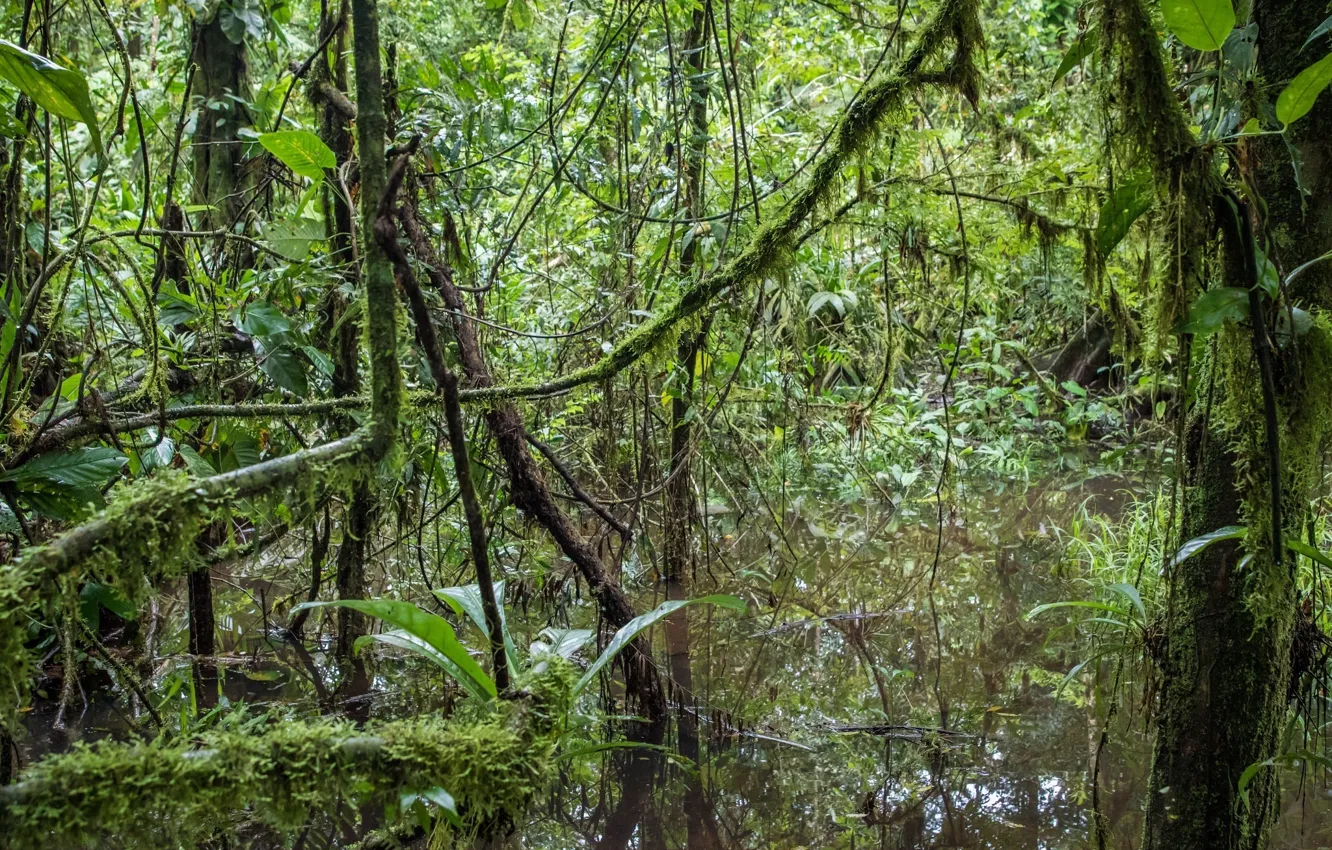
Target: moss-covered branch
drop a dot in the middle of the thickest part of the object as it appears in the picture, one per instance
(771, 249)
(143, 537)
(153, 795)
(149, 534)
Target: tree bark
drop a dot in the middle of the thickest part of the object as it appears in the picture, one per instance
(1230, 630)
(221, 83)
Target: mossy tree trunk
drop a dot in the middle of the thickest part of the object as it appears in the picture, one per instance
(1232, 610)
(681, 512)
(222, 88)
(679, 508)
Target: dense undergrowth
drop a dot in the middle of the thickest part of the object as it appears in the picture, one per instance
(947, 353)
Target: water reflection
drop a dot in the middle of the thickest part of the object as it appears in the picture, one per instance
(833, 719)
(852, 707)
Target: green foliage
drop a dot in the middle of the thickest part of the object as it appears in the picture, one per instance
(1297, 98)
(58, 90)
(631, 629)
(431, 636)
(1084, 47)
(281, 774)
(85, 467)
(301, 151)
(1205, 541)
(1201, 24)
(876, 352)
(1131, 198)
(424, 633)
(1214, 308)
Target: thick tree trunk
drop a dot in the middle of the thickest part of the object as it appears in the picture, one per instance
(221, 86)
(1227, 672)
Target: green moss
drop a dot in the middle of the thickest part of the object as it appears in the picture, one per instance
(151, 528)
(145, 536)
(1304, 413)
(182, 793)
(1155, 134)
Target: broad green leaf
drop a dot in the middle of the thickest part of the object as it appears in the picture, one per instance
(1241, 49)
(72, 504)
(521, 14)
(466, 601)
(319, 360)
(1321, 29)
(1269, 281)
(405, 640)
(1131, 199)
(431, 629)
(153, 455)
(1204, 541)
(286, 368)
(1298, 97)
(1131, 593)
(562, 642)
(241, 451)
(91, 466)
(631, 629)
(1201, 24)
(301, 151)
(439, 797)
(94, 597)
(1079, 50)
(197, 464)
(9, 523)
(1214, 308)
(1296, 545)
(263, 319)
(58, 90)
(293, 238)
(239, 20)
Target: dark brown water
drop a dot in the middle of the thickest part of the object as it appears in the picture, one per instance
(886, 688)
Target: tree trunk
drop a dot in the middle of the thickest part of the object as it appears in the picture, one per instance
(203, 629)
(221, 84)
(1227, 673)
(680, 509)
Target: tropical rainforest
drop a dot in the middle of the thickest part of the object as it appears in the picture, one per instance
(702, 424)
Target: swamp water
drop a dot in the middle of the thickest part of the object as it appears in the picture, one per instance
(826, 717)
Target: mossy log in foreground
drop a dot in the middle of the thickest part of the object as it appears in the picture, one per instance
(179, 794)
